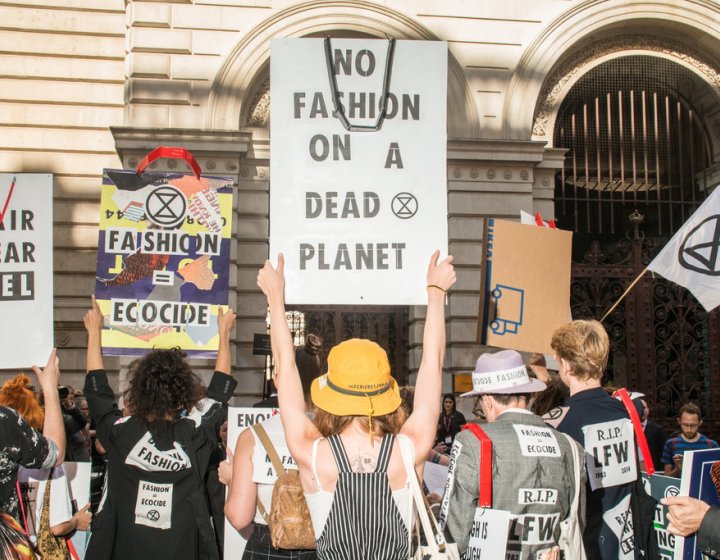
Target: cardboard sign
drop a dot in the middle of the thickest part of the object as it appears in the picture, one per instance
(26, 269)
(526, 285)
(700, 478)
(357, 213)
(163, 261)
(240, 418)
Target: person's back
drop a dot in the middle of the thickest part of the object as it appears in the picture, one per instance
(602, 426)
(533, 466)
(155, 505)
(360, 508)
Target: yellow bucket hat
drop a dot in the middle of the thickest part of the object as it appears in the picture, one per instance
(358, 381)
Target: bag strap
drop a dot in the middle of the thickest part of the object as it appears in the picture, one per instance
(623, 395)
(22, 507)
(173, 153)
(576, 469)
(485, 498)
(433, 534)
(269, 449)
(274, 459)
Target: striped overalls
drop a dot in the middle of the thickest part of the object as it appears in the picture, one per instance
(364, 523)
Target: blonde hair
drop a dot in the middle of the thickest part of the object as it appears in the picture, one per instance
(17, 394)
(329, 424)
(584, 345)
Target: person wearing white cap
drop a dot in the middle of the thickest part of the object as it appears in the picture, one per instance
(533, 466)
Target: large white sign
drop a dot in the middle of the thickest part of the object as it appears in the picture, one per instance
(358, 212)
(240, 418)
(26, 269)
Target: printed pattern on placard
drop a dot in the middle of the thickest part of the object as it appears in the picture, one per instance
(488, 534)
(163, 261)
(610, 453)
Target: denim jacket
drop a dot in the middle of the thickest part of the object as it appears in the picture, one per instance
(533, 479)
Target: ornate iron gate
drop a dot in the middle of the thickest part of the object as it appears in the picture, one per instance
(386, 325)
(663, 343)
(636, 160)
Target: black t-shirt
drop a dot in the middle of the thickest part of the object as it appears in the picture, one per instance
(21, 445)
(602, 425)
(155, 505)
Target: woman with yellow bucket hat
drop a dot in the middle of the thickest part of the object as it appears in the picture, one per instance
(350, 460)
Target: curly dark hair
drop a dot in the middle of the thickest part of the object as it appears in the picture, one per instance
(161, 385)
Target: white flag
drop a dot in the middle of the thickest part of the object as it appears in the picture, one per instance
(692, 257)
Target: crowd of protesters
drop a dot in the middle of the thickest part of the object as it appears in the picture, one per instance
(557, 452)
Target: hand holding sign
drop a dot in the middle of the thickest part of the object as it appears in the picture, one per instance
(441, 275)
(685, 514)
(272, 280)
(94, 319)
(225, 321)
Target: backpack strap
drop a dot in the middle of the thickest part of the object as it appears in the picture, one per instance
(485, 499)
(623, 395)
(384, 454)
(269, 449)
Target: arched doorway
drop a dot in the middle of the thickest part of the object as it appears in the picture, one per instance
(635, 169)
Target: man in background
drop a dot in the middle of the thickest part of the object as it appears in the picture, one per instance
(690, 439)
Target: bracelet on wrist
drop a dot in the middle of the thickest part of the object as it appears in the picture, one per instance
(437, 287)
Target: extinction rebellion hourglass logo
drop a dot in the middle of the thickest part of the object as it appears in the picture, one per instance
(699, 250)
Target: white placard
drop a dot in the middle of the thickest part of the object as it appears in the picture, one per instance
(26, 269)
(610, 453)
(357, 214)
(435, 476)
(240, 418)
(488, 534)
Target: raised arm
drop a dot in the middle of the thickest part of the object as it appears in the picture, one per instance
(226, 323)
(299, 430)
(53, 428)
(94, 322)
(426, 407)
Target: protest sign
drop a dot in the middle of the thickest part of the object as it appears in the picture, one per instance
(163, 261)
(526, 285)
(240, 418)
(660, 487)
(357, 212)
(700, 478)
(70, 491)
(26, 269)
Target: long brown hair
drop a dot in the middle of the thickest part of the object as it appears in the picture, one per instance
(17, 394)
(329, 424)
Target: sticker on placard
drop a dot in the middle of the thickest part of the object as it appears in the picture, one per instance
(610, 452)
(488, 534)
(537, 441)
(154, 505)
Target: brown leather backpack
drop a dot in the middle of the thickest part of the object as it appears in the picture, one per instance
(289, 518)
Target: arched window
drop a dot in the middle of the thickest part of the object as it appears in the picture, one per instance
(635, 139)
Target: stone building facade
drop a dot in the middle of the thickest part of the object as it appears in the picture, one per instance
(88, 84)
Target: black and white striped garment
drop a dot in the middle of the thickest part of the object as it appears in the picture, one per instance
(364, 523)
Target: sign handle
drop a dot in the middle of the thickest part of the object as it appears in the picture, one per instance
(173, 153)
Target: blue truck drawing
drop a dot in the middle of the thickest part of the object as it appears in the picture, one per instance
(509, 305)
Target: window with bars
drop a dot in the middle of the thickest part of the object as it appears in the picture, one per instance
(635, 141)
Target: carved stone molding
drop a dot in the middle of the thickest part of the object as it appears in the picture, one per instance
(259, 107)
(569, 71)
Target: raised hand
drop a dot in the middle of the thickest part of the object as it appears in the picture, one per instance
(49, 376)
(93, 319)
(441, 275)
(225, 320)
(271, 280)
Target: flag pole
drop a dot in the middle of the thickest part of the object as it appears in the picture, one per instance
(622, 297)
